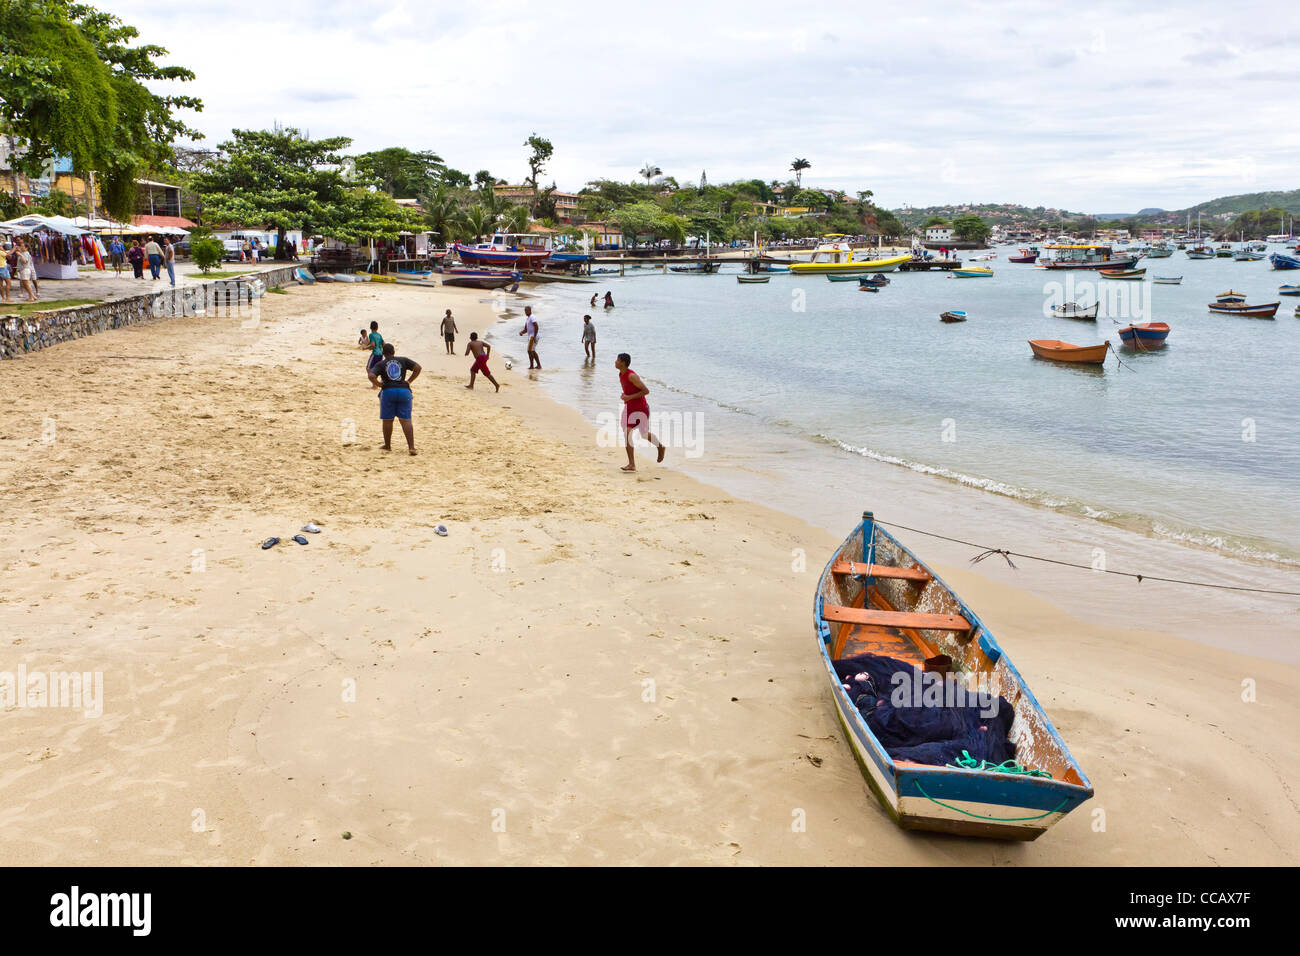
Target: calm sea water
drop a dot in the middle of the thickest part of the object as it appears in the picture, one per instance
(1197, 442)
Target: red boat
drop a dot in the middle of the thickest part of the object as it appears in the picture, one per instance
(1026, 255)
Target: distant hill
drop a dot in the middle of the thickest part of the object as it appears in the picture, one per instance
(1236, 205)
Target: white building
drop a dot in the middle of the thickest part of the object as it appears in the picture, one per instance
(938, 234)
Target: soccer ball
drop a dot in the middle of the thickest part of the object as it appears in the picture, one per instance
(510, 365)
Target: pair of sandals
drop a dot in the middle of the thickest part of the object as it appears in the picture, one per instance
(310, 527)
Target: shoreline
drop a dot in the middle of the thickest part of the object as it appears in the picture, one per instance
(622, 665)
(781, 474)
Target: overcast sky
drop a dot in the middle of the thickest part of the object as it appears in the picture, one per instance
(1095, 107)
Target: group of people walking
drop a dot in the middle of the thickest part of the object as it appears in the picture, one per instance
(158, 255)
(392, 375)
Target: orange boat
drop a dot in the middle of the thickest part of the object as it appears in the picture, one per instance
(1059, 351)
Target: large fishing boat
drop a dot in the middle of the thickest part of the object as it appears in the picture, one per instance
(834, 254)
(507, 250)
(1083, 256)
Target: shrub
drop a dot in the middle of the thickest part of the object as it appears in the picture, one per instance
(207, 253)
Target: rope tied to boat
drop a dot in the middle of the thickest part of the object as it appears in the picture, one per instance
(983, 816)
(1006, 555)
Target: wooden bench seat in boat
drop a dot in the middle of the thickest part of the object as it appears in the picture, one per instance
(899, 619)
(880, 571)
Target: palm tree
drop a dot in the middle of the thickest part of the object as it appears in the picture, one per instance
(650, 171)
(515, 219)
(441, 211)
(798, 166)
(477, 222)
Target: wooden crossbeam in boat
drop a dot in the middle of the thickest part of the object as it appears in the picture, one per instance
(880, 571)
(899, 619)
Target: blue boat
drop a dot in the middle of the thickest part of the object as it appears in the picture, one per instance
(1284, 262)
(877, 605)
(876, 279)
(1288, 290)
(1148, 333)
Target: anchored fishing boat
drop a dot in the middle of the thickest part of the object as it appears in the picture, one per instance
(834, 254)
(880, 612)
(1266, 311)
(876, 279)
(1288, 290)
(1085, 256)
(745, 280)
(1230, 296)
(1147, 334)
(973, 272)
(1200, 252)
(956, 315)
(1123, 273)
(1059, 351)
(1167, 280)
(520, 251)
(1073, 310)
(1280, 261)
(1029, 254)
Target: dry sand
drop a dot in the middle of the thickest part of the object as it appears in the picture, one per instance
(592, 667)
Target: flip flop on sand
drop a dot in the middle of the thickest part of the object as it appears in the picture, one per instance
(299, 538)
(441, 530)
(311, 528)
(270, 543)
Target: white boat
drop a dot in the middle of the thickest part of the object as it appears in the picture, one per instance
(1073, 310)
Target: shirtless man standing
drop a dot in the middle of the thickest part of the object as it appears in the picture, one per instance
(480, 351)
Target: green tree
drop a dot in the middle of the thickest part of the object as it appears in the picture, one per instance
(400, 172)
(75, 85)
(206, 252)
(798, 166)
(971, 228)
(540, 155)
(57, 203)
(442, 212)
(282, 179)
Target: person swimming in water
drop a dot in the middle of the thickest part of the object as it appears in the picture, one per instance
(636, 410)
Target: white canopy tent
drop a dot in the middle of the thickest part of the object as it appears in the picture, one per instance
(61, 225)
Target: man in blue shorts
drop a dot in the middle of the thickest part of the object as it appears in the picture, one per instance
(389, 376)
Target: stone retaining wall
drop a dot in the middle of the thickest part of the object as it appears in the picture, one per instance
(20, 334)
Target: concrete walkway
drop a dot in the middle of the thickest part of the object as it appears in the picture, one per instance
(105, 286)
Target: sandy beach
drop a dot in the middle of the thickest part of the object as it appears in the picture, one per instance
(590, 668)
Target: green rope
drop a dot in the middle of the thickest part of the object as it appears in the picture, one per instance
(980, 816)
(967, 762)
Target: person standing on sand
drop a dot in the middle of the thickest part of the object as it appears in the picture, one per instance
(531, 330)
(636, 410)
(588, 338)
(376, 342)
(449, 330)
(481, 351)
(389, 376)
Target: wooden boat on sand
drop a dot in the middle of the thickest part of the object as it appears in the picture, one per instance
(879, 609)
(1059, 351)
(483, 279)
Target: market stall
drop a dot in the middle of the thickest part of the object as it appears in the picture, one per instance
(57, 244)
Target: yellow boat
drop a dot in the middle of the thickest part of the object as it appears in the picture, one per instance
(972, 272)
(833, 254)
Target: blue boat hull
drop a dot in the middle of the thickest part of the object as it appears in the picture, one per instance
(1284, 262)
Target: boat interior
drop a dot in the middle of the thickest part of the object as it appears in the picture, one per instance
(904, 612)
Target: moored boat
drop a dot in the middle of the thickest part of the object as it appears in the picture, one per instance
(1085, 256)
(1059, 351)
(1073, 310)
(1200, 252)
(698, 269)
(1281, 261)
(954, 315)
(521, 251)
(1122, 273)
(1230, 296)
(874, 279)
(880, 612)
(834, 254)
(745, 280)
(1146, 334)
(483, 279)
(1029, 254)
(973, 272)
(1288, 290)
(1167, 280)
(1265, 311)
(844, 278)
